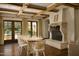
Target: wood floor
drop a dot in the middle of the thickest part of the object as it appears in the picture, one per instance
(12, 50)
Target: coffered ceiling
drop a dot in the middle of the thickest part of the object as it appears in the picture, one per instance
(33, 8)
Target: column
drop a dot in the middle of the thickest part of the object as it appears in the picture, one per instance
(40, 27)
(1, 31)
(24, 26)
(76, 25)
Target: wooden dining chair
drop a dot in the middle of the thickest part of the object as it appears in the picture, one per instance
(22, 44)
(39, 47)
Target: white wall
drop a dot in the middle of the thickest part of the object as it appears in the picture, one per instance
(45, 28)
(70, 21)
(77, 25)
(74, 47)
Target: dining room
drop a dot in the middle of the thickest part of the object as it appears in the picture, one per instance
(36, 29)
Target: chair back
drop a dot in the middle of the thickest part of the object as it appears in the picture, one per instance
(21, 40)
(40, 44)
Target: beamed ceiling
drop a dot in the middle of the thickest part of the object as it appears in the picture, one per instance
(34, 8)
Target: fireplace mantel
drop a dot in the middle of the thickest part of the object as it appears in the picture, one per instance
(62, 22)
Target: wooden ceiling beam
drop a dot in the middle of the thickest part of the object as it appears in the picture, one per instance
(8, 12)
(17, 4)
(71, 5)
(53, 6)
(36, 7)
(1, 9)
(30, 6)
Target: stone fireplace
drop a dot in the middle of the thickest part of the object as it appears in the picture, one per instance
(56, 33)
(58, 29)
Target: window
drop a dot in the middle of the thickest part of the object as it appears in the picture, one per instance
(32, 28)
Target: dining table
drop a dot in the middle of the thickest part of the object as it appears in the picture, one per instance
(31, 41)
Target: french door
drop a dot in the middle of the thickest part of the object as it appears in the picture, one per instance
(11, 30)
(32, 28)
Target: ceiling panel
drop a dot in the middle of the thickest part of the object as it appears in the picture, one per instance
(42, 4)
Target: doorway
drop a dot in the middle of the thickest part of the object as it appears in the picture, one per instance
(11, 30)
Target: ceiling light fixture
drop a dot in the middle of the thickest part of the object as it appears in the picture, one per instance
(22, 9)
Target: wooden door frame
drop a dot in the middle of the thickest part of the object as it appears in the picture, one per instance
(13, 31)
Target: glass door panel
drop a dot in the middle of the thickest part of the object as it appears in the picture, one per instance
(17, 29)
(29, 29)
(34, 27)
(12, 29)
(7, 30)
